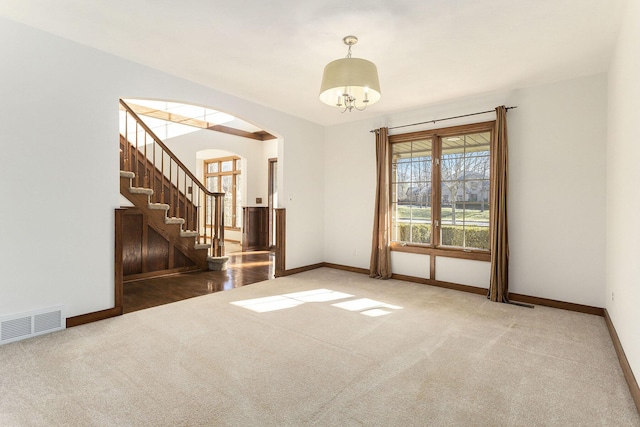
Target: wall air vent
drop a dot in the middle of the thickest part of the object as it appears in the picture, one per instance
(25, 325)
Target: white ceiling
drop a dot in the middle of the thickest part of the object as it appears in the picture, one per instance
(273, 52)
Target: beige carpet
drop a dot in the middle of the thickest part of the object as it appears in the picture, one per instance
(392, 354)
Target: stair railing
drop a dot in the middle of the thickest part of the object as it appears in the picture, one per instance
(156, 167)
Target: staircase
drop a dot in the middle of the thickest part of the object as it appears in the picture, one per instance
(177, 224)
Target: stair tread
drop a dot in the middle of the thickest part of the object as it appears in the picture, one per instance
(164, 222)
(141, 190)
(173, 220)
(159, 206)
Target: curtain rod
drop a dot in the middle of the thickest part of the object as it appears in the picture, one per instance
(446, 118)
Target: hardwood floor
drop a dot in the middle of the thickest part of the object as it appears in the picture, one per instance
(243, 268)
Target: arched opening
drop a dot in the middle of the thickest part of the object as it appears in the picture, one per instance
(227, 155)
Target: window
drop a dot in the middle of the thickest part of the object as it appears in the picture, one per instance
(224, 175)
(440, 181)
(411, 191)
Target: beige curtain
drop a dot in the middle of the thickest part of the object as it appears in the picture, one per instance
(380, 266)
(499, 285)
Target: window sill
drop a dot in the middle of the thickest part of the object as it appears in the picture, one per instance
(477, 255)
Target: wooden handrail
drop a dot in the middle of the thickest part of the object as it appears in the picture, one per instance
(169, 152)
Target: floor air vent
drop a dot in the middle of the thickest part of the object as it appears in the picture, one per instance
(26, 325)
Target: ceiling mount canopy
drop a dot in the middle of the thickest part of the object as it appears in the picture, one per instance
(350, 83)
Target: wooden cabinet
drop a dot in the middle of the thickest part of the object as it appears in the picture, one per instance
(255, 228)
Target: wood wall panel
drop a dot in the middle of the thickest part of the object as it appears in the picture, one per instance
(146, 252)
(180, 260)
(157, 251)
(255, 228)
(281, 242)
(132, 228)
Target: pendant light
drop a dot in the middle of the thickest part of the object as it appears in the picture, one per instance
(350, 83)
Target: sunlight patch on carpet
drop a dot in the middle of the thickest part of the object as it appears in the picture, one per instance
(366, 306)
(263, 305)
(376, 312)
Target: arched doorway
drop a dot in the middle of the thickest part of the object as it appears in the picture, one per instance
(233, 157)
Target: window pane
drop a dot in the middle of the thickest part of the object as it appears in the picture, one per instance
(227, 166)
(465, 191)
(411, 171)
(212, 183)
(212, 167)
(227, 184)
(238, 164)
(227, 188)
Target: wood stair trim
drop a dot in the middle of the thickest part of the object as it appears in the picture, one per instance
(154, 174)
(162, 206)
(157, 220)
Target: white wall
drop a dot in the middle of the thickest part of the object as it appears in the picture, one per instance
(256, 173)
(59, 180)
(557, 190)
(193, 148)
(623, 188)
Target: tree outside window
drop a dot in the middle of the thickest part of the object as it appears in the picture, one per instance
(465, 178)
(440, 181)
